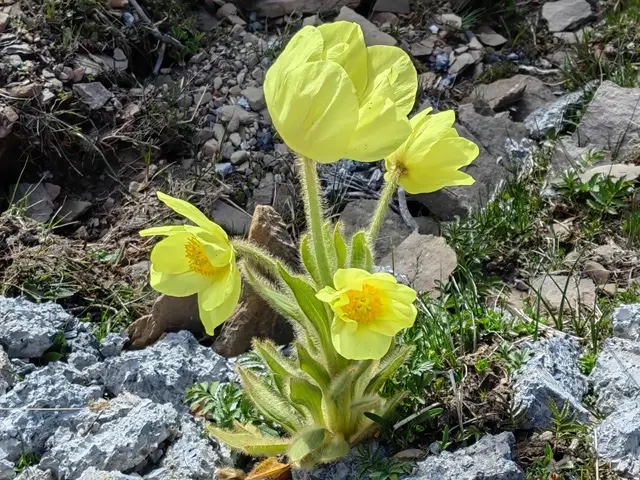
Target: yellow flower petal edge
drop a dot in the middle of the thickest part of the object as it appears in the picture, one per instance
(330, 96)
(432, 155)
(196, 260)
(369, 310)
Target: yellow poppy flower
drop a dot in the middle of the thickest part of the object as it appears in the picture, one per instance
(331, 97)
(196, 260)
(370, 309)
(432, 155)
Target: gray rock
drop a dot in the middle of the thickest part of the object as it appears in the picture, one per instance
(163, 371)
(491, 458)
(572, 37)
(279, 8)
(461, 63)
(616, 376)
(71, 210)
(611, 121)
(490, 38)
(38, 199)
(255, 97)
(93, 473)
(94, 94)
(29, 329)
(451, 19)
(239, 157)
(561, 292)
(117, 437)
(7, 373)
(372, 35)
(502, 93)
(551, 116)
(112, 344)
(23, 430)
(357, 215)
(424, 260)
(229, 113)
(566, 14)
(551, 375)
(191, 456)
(33, 473)
(6, 468)
(232, 219)
(596, 272)
(619, 439)
(626, 322)
(615, 170)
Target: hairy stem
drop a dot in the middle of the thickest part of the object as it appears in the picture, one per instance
(315, 217)
(381, 210)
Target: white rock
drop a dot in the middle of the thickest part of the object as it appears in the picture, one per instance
(566, 14)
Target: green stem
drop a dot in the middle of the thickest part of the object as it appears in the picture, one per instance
(315, 217)
(381, 209)
(259, 257)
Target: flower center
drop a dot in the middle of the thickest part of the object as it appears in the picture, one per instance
(197, 258)
(364, 306)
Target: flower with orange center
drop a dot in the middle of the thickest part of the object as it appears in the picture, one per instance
(369, 310)
(431, 158)
(196, 259)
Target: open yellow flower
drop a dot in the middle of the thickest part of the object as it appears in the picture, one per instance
(196, 260)
(370, 309)
(331, 97)
(431, 157)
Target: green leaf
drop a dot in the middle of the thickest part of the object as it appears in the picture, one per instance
(340, 246)
(308, 395)
(281, 367)
(313, 367)
(361, 256)
(334, 448)
(280, 302)
(341, 382)
(382, 422)
(309, 259)
(365, 404)
(330, 247)
(270, 403)
(251, 443)
(313, 308)
(389, 364)
(305, 443)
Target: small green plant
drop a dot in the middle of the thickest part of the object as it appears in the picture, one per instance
(564, 425)
(26, 460)
(603, 194)
(587, 362)
(482, 365)
(373, 463)
(513, 358)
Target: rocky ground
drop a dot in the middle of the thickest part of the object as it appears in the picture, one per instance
(531, 373)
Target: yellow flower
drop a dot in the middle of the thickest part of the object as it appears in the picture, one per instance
(430, 158)
(370, 309)
(331, 97)
(196, 260)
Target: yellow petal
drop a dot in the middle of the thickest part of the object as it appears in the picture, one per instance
(219, 287)
(344, 44)
(219, 254)
(180, 285)
(360, 343)
(350, 278)
(216, 316)
(305, 46)
(165, 230)
(315, 110)
(393, 65)
(381, 129)
(168, 255)
(171, 230)
(439, 167)
(428, 129)
(396, 317)
(327, 295)
(192, 213)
